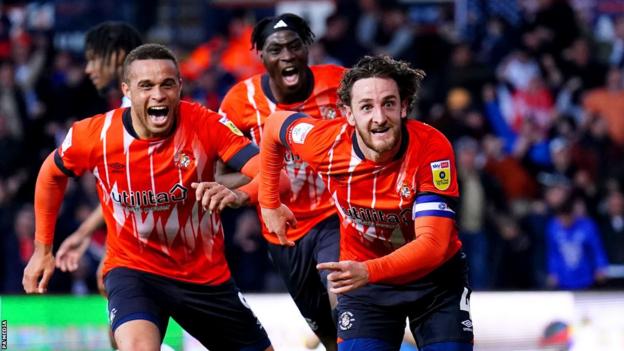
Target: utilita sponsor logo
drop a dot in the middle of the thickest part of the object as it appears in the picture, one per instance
(370, 215)
(148, 198)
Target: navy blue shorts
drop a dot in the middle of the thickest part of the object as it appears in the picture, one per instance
(438, 310)
(306, 285)
(217, 316)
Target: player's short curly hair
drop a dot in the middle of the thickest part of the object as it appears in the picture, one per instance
(407, 78)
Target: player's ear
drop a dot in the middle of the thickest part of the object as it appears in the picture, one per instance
(349, 115)
(125, 89)
(403, 109)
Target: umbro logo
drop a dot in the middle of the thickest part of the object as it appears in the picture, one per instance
(280, 24)
(467, 325)
(117, 167)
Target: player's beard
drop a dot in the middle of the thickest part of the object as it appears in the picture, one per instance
(383, 143)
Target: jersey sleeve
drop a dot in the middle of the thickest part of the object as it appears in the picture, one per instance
(233, 107)
(231, 145)
(437, 173)
(74, 156)
(307, 137)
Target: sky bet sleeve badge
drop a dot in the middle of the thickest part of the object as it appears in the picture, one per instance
(441, 174)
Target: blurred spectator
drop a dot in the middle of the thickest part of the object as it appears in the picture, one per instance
(556, 24)
(22, 235)
(497, 43)
(459, 117)
(383, 28)
(575, 256)
(518, 69)
(518, 185)
(608, 103)
(616, 54)
(477, 190)
(339, 41)
(612, 227)
(12, 102)
(317, 55)
(579, 63)
(513, 256)
(465, 72)
(230, 52)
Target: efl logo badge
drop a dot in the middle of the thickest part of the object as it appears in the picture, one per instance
(300, 132)
(441, 174)
(231, 126)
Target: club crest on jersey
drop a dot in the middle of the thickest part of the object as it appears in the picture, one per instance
(181, 160)
(441, 171)
(231, 126)
(328, 112)
(405, 192)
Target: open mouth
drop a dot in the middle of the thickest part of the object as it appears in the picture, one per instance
(380, 130)
(290, 76)
(158, 114)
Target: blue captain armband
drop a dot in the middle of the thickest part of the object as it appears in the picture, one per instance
(432, 205)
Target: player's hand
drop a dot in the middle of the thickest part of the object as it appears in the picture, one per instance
(71, 250)
(99, 278)
(214, 196)
(345, 276)
(39, 270)
(277, 220)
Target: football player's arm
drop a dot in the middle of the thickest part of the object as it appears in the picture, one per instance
(276, 215)
(417, 258)
(231, 107)
(224, 175)
(414, 259)
(49, 190)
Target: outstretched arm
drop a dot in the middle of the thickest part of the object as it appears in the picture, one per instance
(433, 245)
(51, 184)
(276, 215)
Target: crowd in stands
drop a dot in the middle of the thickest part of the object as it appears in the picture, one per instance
(530, 93)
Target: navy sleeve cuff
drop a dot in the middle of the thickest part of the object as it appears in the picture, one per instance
(58, 161)
(284, 129)
(242, 156)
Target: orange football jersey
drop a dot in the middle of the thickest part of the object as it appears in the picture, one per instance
(378, 202)
(153, 221)
(250, 102)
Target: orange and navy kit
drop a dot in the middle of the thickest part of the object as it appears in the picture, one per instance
(250, 102)
(397, 217)
(382, 205)
(154, 223)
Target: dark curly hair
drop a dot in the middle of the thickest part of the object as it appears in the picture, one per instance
(108, 38)
(407, 78)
